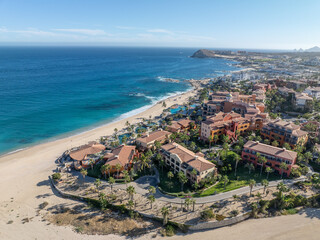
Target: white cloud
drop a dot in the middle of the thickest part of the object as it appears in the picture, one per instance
(159, 30)
(91, 32)
(29, 31)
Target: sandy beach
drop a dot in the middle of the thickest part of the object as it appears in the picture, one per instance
(24, 185)
(24, 179)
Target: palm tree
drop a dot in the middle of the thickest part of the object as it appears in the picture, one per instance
(187, 202)
(157, 144)
(252, 183)
(130, 204)
(104, 169)
(250, 167)
(126, 177)
(118, 168)
(225, 181)
(97, 183)
(182, 179)
(131, 191)
(268, 171)
(84, 173)
(161, 163)
(283, 166)
(237, 159)
(195, 185)
(170, 175)
(152, 190)
(131, 174)
(194, 174)
(262, 161)
(111, 182)
(265, 184)
(165, 213)
(144, 163)
(124, 139)
(151, 199)
(237, 149)
(91, 162)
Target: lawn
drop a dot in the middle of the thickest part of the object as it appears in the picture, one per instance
(241, 180)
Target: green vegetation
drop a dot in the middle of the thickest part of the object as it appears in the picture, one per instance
(207, 214)
(241, 180)
(56, 176)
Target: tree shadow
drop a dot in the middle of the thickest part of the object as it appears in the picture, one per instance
(311, 212)
(43, 183)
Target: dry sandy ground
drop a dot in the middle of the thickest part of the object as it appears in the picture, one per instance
(294, 227)
(24, 180)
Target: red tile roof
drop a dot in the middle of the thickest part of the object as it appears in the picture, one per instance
(194, 160)
(267, 149)
(85, 150)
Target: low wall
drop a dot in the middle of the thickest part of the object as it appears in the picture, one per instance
(218, 224)
(199, 226)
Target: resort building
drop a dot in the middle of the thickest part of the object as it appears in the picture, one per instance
(178, 126)
(84, 155)
(148, 139)
(274, 156)
(123, 156)
(313, 92)
(231, 124)
(183, 160)
(303, 101)
(227, 102)
(283, 131)
(263, 86)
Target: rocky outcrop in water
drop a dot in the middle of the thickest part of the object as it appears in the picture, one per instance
(203, 53)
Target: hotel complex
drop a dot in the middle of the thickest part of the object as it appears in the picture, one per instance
(274, 156)
(284, 132)
(183, 160)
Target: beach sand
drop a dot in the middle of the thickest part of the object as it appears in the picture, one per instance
(24, 179)
(24, 185)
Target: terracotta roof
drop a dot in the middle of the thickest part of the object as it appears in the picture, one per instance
(85, 150)
(121, 155)
(185, 122)
(267, 149)
(154, 136)
(192, 159)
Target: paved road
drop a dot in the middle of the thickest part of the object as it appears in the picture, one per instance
(142, 184)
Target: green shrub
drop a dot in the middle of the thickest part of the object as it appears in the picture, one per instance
(291, 211)
(170, 230)
(207, 214)
(56, 176)
(220, 217)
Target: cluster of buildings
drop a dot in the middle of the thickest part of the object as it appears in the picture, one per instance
(225, 113)
(231, 114)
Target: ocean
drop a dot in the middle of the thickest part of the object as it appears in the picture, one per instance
(47, 92)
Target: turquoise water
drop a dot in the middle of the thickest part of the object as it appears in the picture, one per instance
(49, 91)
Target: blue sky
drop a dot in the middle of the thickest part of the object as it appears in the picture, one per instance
(267, 24)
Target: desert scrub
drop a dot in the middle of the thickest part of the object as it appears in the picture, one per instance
(56, 176)
(43, 205)
(220, 217)
(207, 214)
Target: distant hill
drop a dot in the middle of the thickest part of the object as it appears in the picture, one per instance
(203, 53)
(313, 49)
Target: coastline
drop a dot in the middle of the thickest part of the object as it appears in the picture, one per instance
(98, 125)
(24, 179)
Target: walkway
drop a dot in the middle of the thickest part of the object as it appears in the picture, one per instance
(142, 184)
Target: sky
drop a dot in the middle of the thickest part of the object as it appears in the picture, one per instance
(267, 24)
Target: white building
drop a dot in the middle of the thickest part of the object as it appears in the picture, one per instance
(313, 92)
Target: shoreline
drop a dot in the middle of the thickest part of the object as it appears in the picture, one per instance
(98, 125)
(107, 128)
